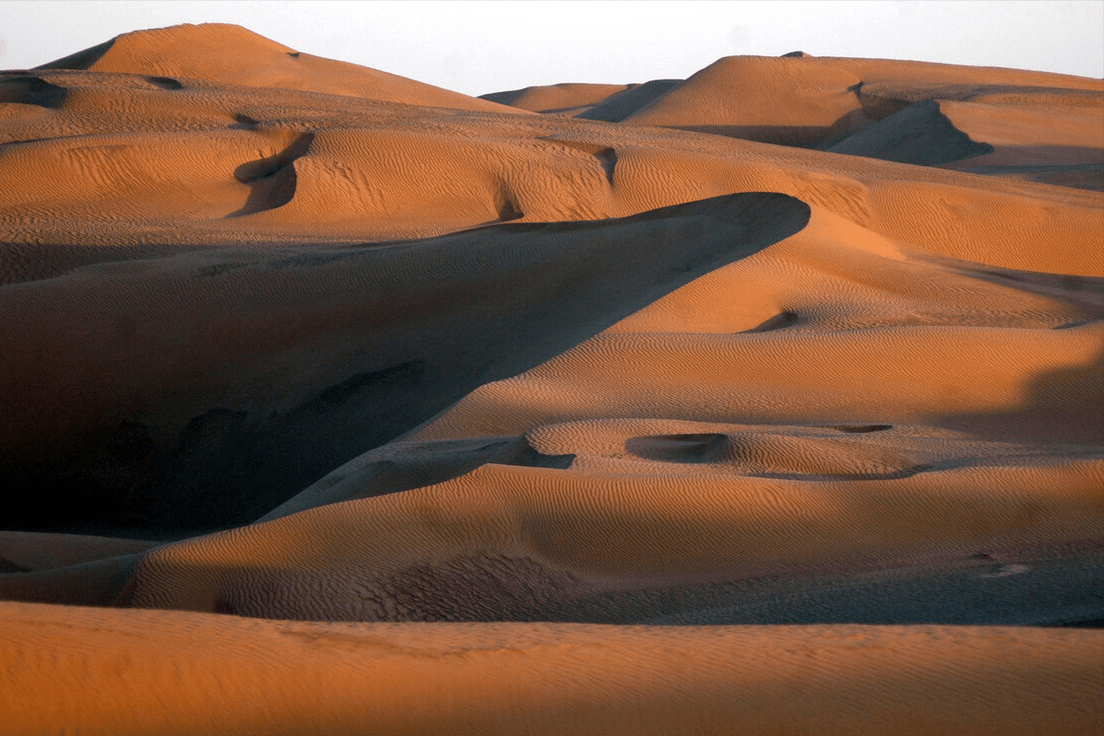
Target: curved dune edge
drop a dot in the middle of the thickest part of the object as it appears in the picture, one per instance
(836, 324)
(1028, 125)
(377, 171)
(807, 101)
(556, 98)
(400, 466)
(148, 672)
(522, 543)
(24, 551)
(287, 362)
(233, 55)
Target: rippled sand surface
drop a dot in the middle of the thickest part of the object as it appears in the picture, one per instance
(768, 401)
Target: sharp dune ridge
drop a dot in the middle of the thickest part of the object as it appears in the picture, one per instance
(767, 400)
(325, 353)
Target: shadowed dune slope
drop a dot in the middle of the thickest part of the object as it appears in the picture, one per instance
(1006, 122)
(607, 102)
(285, 363)
(918, 134)
(1046, 137)
(557, 98)
(229, 54)
(804, 100)
(400, 466)
(24, 551)
(616, 108)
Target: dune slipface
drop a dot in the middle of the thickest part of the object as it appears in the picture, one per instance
(285, 362)
(769, 400)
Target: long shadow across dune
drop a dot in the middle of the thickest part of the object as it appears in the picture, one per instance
(196, 391)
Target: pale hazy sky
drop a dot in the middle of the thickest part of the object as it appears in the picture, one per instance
(479, 47)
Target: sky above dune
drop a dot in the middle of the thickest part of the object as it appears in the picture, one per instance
(480, 47)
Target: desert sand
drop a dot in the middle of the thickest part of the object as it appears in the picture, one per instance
(766, 401)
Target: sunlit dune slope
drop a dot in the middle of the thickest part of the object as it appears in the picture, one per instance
(806, 100)
(834, 325)
(186, 673)
(232, 55)
(229, 182)
(210, 165)
(523, 543)
(1019, 124)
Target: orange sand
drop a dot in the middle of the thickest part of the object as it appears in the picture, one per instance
(145, 672)
(407, 411)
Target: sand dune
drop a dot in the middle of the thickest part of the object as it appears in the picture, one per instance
(1030, 125)
(557, 98)
(529, 543)
(395, 337)
(187, 171)
(767, 400)
(608, 102)
(803, 100)
(856, 326)
(1034, 135)
(24, 551)
(199, 673)
(233, 55)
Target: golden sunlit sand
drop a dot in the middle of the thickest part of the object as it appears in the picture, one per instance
(770, 400)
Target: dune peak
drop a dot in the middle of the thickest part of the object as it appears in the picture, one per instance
(231, 54)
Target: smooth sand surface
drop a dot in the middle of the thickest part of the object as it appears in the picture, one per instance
(153, 672)
(232, 55)
(766, 401)
(558, 98)
(25, 551)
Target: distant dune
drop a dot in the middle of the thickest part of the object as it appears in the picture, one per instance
(233, 56)
(766, 401)
(1029, 125)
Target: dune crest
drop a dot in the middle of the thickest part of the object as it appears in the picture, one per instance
(1017, 124)
(383, 355)
(232, 55)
